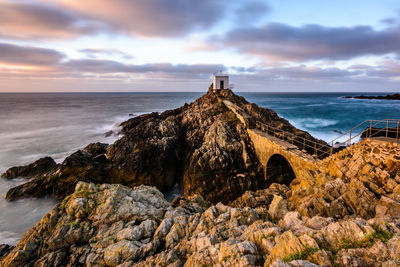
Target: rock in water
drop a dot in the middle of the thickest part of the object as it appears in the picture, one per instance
(39, 167)
(202, 146)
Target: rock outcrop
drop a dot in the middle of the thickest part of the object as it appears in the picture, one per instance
(89, 164)
(202, 147)
(36, 168)
(362, 180)
(386, 97)
(113, 225)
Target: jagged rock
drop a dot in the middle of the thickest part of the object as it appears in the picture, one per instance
(353, 231)
(293, 221)
(356, 181)
(298, 263)
(79, 166)
(318, 222)
(363, 256)
(113, 225)
(288, 244)
(278, 208)
(4, 250)
(39, 167)
(387, 207)
(96, 149)
(93, 218)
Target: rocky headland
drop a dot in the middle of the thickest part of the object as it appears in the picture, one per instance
(387, 97)
(113, 212)
(202, 146)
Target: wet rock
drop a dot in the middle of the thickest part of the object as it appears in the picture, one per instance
(79, 166)
(4, 250)
(96, 149)
(39, 167)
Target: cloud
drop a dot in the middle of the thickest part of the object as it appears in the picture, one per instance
(252, 11)
(48, 64)
(95, 52)
(388, 69)
(304, 73)
(96, 66)
(161, 18)
(57, 19)
(39, 21)
(57, 63)
(312, 42)
(151, 17)
(28, 55)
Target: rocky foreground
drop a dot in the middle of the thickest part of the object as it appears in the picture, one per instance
(347, 216)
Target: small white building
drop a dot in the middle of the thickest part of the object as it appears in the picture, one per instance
(220, 81)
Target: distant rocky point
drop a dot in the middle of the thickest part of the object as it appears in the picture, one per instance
(387, 97)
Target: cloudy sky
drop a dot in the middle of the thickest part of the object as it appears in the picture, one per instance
(175, 45)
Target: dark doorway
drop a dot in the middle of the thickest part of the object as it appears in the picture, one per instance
(279, 170)
(221, 85)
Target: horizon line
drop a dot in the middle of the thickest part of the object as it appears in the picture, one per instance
(124, 92)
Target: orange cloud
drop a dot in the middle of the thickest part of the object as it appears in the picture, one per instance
(38, 21)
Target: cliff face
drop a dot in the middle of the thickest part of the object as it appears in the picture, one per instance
(202, 146)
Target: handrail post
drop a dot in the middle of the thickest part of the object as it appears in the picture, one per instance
(370, 131)
(350, 138)
(315, 148)
(387, 128)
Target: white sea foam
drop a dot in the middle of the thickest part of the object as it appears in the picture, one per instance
(310, 123)
(17, 217)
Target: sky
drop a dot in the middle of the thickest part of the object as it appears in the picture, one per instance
(176, 45)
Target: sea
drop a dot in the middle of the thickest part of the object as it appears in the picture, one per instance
(34, 125)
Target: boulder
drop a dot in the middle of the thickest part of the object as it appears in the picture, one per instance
(387, 207)
(278, 208)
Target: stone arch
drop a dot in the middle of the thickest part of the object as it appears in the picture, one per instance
(279, 170)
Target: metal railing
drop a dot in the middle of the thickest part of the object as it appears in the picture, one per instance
(316, 149)
(391, 129)
(388, 128)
